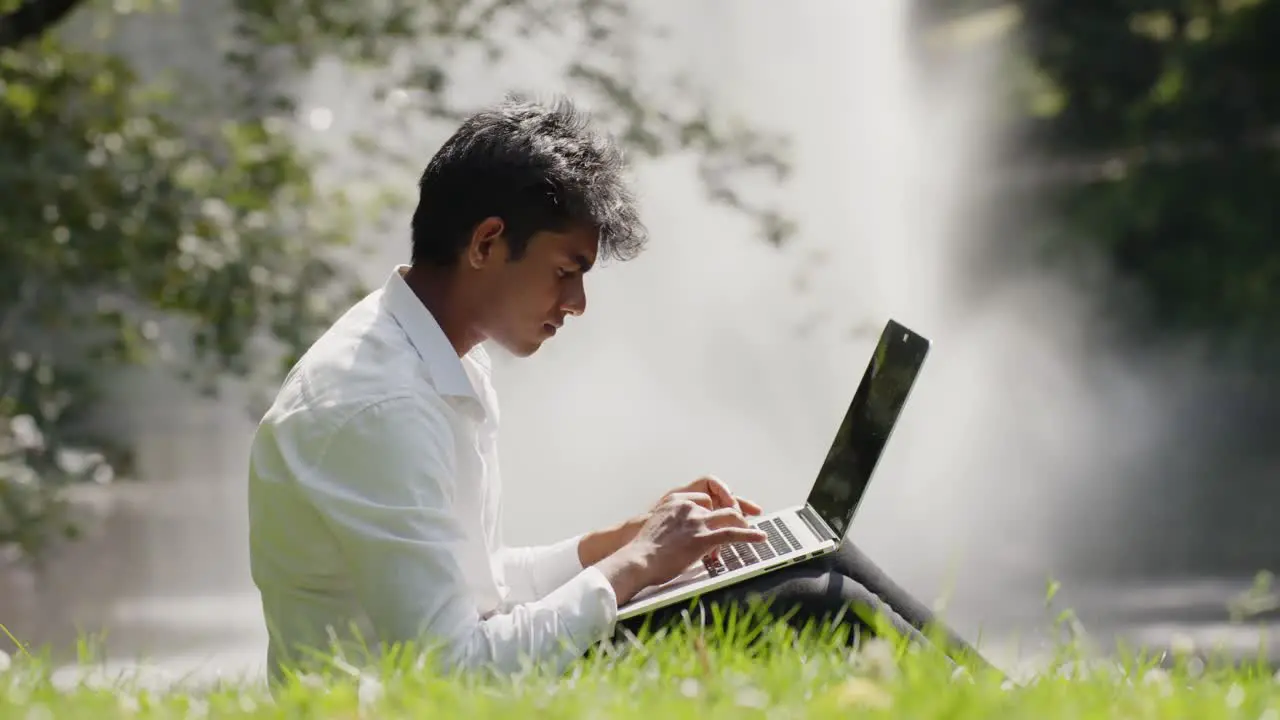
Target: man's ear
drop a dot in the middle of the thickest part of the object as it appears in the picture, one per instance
(486, 242)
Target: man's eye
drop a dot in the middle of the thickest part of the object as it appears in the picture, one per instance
(563, 272)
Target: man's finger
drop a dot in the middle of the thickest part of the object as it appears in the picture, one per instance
(697, 498)
(719, 491)
(725, 517)
(733, 534)
(749, 508)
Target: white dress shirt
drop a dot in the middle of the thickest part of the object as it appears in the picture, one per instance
(376, 514)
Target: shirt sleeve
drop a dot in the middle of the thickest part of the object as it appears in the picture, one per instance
(385, 484)
(534, 572)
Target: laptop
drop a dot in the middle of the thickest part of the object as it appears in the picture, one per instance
(820, 525)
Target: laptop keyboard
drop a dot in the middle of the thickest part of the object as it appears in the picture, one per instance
(779, 541)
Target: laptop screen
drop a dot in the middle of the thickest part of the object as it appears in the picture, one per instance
(875, 408)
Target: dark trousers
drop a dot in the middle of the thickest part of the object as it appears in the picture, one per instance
(845, 587)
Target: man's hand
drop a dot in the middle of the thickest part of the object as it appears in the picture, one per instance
(683, 528)
(721, 496)
(598, 545)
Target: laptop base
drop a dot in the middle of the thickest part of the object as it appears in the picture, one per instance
(698, 580)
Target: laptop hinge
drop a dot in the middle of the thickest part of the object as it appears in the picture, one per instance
(817, 524)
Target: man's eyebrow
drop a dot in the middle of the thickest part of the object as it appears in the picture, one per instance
(583, 263)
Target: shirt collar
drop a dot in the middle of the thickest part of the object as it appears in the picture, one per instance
(446, 369)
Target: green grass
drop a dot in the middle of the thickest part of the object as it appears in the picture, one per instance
(725, 672)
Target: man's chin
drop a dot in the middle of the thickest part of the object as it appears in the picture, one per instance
(523, 348)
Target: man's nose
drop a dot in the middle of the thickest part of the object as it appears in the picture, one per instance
(574, 301)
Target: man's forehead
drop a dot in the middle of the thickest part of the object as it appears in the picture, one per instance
(580, 246)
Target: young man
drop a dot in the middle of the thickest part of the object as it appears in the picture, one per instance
(375, 498)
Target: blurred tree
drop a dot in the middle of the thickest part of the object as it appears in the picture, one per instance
(127, 207)
(1174, 106)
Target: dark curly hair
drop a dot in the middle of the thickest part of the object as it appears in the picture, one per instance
(538, 167)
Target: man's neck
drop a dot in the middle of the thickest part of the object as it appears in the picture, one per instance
(437, 289)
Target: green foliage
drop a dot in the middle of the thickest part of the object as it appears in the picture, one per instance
(1177, 105)
(116, 219)
(130, 212)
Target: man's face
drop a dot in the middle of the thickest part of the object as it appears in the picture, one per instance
(526, 301)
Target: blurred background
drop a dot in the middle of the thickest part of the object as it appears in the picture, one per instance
(1074, 201)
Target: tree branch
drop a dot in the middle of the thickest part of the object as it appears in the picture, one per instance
(32, 19)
